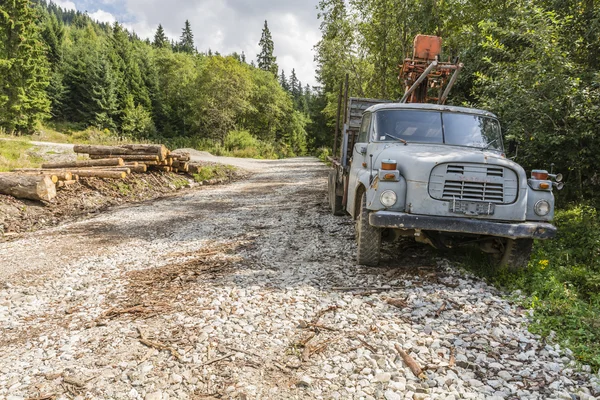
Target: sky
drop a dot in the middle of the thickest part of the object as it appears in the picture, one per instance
(225, 26)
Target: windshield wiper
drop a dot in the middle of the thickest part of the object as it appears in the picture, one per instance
(489, 144)
(397, 138)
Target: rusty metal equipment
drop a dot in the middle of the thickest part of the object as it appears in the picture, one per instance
(424, 73)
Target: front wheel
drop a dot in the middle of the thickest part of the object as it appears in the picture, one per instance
(516, 253)
(368, 237)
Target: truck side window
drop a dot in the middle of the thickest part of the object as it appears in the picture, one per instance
(364, 129)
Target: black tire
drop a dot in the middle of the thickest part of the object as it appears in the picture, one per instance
(335, 201)
(368, 238)
(517, 253)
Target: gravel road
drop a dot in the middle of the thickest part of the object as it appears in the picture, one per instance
(250, 291)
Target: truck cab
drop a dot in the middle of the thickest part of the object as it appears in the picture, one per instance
(438, 174)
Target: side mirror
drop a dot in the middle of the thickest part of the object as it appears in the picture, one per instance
(513, 148)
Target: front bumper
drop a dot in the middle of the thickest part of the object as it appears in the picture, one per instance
(519, 230)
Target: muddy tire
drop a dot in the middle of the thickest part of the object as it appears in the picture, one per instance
(335, 201)
(368, 237)
(516, 253)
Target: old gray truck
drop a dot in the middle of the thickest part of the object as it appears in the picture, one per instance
(439, 174)
(420, 168)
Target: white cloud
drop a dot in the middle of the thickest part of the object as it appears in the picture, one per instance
(65, 4)
(235, 25)
(103, 16)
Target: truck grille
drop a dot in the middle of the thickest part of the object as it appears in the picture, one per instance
(476, 191)
(474, 182)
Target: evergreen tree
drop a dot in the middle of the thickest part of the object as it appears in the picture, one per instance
(294, 84)
(186, 44)
(103, 94)
(266, 60)
(160, 39)
(23, 67)
(53, 34)
(284, 82)
(243, 57)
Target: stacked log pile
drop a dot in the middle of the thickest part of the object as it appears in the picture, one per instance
(106, 162)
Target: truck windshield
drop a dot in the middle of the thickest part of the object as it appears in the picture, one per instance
(438, 127)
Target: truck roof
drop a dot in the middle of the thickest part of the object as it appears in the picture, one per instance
(428, 106)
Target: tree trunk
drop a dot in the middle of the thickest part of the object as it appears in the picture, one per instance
(130, 149)
(108, 174)
(126, 157)
(86, 163)
(60, 175)
(25, 186)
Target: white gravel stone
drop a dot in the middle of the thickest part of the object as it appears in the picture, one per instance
(239, 318)
(391, 395)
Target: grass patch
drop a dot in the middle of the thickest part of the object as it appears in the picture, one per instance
(14, 154)
(62, 132)
(216, 171)
(562, 283)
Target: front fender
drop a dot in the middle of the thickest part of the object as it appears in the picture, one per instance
(361, 179)
(379, 186)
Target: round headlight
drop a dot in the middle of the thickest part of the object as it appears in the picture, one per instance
(542, 208)
(388, 198)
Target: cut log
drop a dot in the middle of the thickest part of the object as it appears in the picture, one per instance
(132, 164)
(153, 149)
(139, 169)
(105, 162)
(127, 157)
(28, 186)
(93, 173)
(61, 175)
(180, 156)
(62, 184)
(163, 168)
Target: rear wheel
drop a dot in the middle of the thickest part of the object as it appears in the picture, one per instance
(516, 253)
(335, 201)
(368, 237)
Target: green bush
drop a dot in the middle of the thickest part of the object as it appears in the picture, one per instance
(562, 283)
(322, 153)
(240, 140)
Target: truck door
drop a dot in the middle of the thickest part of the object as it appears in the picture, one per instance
(360, 158)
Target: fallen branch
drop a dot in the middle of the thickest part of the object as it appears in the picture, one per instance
(367, 345)
(226, 356)
(441, 309)
(50, 396)
(158, 346)
(410, 362)
(373, 289)
(452, 360)
(399, 303)
(323, 312)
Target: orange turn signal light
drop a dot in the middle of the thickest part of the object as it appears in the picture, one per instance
(389, 176)
(544, 185)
